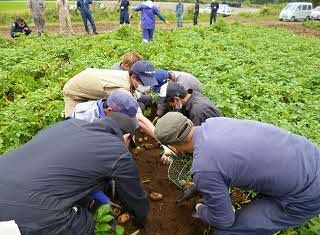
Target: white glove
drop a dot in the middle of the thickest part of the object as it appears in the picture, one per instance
(166, 157)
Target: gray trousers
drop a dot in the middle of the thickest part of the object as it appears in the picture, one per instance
(267, 215)
(179, 20)
(39, 22)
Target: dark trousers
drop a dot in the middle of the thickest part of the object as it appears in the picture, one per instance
(124, 17)
(267, 215)
(86, 15)
(213, 16)
(144, 102)
(195, 18)
(147, 34)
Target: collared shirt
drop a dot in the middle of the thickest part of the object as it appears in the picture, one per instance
(255, 156)
(199, 108)
(187, 80)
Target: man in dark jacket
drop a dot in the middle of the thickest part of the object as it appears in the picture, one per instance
(19, 26)
(124, 11)
(196, 12)
(85, 9)
(42, 182)
(193, 105)
(214, 9)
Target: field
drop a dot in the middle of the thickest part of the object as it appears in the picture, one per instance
(250, 72)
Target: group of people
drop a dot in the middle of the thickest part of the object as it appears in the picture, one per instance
(37, 9)
(68, 168)
(148, 12)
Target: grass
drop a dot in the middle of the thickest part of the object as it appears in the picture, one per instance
(10, 7)
(312, 24)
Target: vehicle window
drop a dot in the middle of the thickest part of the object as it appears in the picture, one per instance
(289, 7)
(309, 7)
(304, 7)
(298, 8)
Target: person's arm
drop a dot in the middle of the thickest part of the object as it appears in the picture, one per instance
(138, 8)
(157, 13)
(217, 209)
(146, 125)
(90, 5)
(128, 185)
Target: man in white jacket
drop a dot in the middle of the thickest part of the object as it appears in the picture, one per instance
(63, 8)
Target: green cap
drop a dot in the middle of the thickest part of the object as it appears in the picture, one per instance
(173, 128)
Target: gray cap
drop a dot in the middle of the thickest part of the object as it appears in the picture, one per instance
(173, 128)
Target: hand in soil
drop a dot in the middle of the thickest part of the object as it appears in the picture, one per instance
(124, 218)
(137, 151)
(156, 196)
(166, 159)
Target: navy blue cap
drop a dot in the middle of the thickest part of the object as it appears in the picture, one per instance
(124, 103)
(145, 71)
(161, 76)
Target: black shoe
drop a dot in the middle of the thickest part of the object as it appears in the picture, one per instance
(95, 32)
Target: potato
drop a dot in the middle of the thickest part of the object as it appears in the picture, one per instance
(156, 196)
(140, 140)
(116, 211)
(124, 218)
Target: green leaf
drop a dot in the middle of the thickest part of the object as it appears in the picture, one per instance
(119, 230)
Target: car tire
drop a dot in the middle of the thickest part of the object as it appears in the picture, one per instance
(281, 19)
(307, 18)
(293, 19)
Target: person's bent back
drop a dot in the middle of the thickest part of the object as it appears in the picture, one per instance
(42, 180)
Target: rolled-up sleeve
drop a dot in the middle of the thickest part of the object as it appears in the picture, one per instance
(218, 210)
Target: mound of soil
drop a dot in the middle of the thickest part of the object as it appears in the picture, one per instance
(166, 217)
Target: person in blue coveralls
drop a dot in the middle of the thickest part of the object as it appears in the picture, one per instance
(85, 9)
(148, 22)
(282, 167)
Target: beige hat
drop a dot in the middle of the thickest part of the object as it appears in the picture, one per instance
(173, 128)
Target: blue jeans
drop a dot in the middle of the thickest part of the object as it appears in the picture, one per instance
(147, 34)
(179, 20)
(86, 15)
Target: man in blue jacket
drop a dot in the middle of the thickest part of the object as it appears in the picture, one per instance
(148, 22)
(43, 181)
(85, 9)
(281, 166)
(179, 13)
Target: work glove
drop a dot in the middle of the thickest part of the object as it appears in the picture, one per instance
(187, 194)
(167, 154)
(196, 207)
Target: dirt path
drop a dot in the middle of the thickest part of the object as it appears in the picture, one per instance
(296, 27)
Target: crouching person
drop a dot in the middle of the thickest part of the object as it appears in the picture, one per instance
(19, 26)
(281, 166)
(64, 163)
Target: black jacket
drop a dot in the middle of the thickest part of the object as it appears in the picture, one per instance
(214, 7)
(42, 180)
(15, 28)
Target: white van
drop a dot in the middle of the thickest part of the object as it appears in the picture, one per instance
(296, 11)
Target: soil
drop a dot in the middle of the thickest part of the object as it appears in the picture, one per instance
(165, 216)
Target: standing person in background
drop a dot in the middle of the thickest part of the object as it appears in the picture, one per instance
(179, 13)
(85, 9)
(214, 9)
(19, 26)
(37, 8)
(196, 12)
(64, 15)
(124, 12)
(148, 22)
